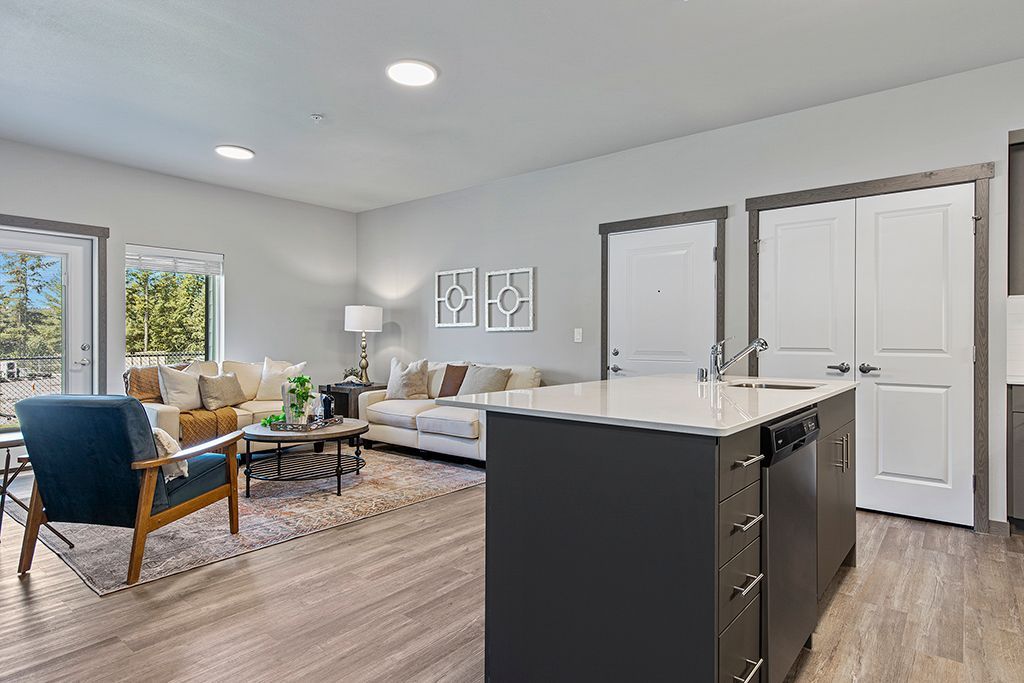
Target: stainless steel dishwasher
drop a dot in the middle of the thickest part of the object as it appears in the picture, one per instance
(790, 543)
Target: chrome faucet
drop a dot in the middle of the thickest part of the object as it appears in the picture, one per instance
(718, 366)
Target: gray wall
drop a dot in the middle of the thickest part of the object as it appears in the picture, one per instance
(289, 267)
(549, 219)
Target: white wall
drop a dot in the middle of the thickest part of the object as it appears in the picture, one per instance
(549, 219)
(289, 267)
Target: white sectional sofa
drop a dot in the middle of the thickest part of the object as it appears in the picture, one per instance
(424, 425)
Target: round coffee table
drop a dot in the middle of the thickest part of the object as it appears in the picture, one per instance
(284, 465)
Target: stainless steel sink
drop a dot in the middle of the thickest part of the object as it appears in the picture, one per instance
(772, 385)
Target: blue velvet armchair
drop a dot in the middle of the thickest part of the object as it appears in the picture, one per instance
(95, 462)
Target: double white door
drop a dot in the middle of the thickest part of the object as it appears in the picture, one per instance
(661, 299)
(880, 290)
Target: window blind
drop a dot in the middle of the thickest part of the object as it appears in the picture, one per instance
(164, 260)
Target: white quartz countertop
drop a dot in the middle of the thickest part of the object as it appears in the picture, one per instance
(674, 403)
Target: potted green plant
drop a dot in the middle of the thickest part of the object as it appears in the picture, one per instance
(297, 394)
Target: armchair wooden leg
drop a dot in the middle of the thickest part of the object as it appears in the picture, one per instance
(142, 515)
(32, 524)
(232, 465)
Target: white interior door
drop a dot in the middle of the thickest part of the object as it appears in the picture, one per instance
(661, 299)
(48, 282)
(806, 291)
(915, 324)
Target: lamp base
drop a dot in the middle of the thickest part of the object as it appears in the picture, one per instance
(364, 364)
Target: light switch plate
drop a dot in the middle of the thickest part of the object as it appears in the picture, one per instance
(577, 335)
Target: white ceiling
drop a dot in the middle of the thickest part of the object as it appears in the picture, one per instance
(525, 84)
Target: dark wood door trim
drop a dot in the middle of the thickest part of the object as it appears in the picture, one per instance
(717, 214)
(100, 234)
(979, 174)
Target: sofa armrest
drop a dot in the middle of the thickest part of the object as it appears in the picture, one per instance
(368, 398)
(164, 417)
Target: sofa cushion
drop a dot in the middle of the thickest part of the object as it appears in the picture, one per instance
(450, 421)
(205, 473)
(244, 416)
(248, 375)
(454, 375)
(523, 377)
(180, 388)
(261, 409)
(398, 412)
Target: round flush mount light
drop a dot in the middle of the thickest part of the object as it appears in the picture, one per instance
(235, 152)
(412, 72)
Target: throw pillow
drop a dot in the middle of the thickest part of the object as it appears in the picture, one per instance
(407, 381)
(166, 445)
(221, 391)
(276, 373)
(483, 379)
(180, 388)
(454, 375)
(248, 376)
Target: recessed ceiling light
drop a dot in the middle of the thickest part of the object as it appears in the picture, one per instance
(234, 152)
(412, 72)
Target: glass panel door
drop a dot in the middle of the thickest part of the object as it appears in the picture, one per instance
(46, 317)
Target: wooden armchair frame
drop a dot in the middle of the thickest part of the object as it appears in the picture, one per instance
(145, 520)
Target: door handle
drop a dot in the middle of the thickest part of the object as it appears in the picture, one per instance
(846, 452)
(614, 368)
(84, 362)
(865, 368)
(842, 367)
(749, 461)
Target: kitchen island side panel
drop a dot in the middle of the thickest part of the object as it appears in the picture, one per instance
(601, 562)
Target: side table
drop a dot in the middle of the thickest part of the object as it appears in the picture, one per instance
(346, 396)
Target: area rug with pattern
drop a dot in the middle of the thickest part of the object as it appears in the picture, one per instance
(276, 512)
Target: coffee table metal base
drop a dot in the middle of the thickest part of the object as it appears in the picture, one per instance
(282, 465)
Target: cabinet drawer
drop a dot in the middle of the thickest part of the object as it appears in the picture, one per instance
(739, 582)
(733, 451)
(739, 648)
(739, 522)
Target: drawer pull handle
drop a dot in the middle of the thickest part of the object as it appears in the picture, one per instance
(754, 580)
(749, 525)
(749, 461)
(753, 672)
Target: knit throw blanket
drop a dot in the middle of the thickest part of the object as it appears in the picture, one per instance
(196, 426)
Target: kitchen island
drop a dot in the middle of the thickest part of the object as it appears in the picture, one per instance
(624, 524)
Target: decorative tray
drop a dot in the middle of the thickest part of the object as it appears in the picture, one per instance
(306, 426)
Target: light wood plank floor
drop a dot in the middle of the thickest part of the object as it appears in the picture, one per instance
(399, 597)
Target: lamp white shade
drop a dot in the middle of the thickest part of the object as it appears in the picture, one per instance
(364, 318)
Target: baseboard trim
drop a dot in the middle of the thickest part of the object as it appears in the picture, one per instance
(996, 528)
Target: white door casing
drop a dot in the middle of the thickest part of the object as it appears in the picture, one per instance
(915, 321)
(661, 299)
(806, 290)
(79, 310)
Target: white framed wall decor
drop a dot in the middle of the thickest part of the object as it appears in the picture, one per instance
(455, 298)
(509, 300)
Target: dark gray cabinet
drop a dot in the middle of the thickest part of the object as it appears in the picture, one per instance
(1015, 465)
(837, 494)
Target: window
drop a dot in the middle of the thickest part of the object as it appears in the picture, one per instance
(172, 305)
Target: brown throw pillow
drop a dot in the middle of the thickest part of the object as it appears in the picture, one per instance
(221, 391)
(452, 380)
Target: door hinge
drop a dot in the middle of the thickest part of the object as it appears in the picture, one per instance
(714, 253)
(974, 482)
(757, 246)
